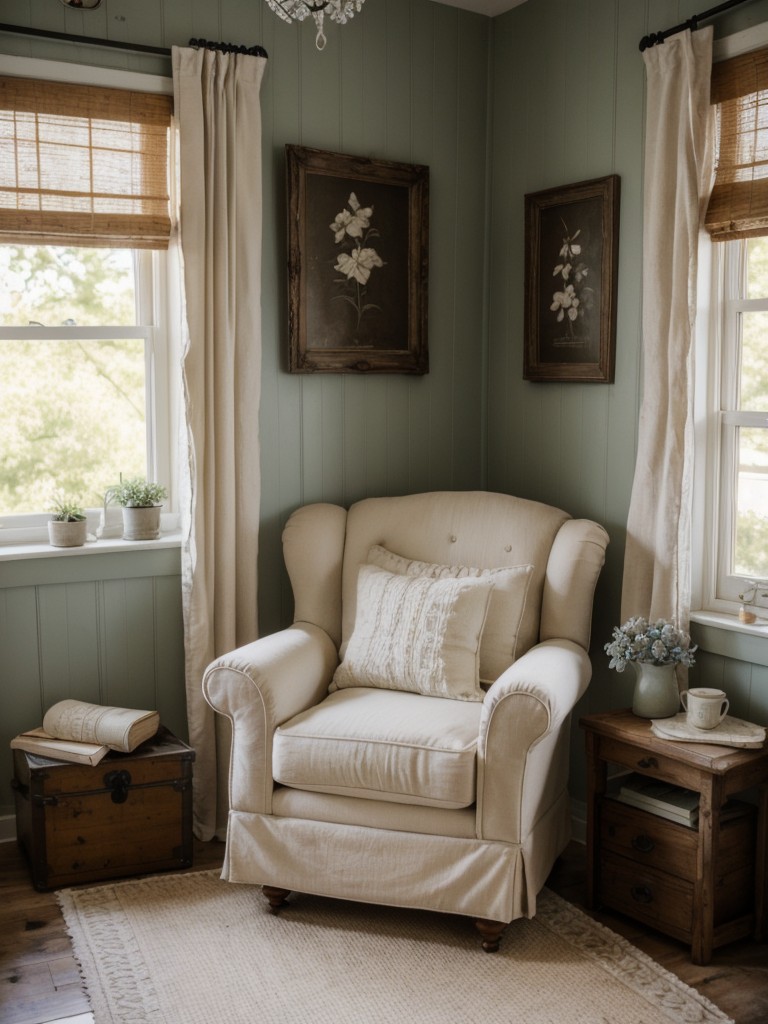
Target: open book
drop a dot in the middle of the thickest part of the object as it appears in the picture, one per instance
(38, 741)
(74, 730)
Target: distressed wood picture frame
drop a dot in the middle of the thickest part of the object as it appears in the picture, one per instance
(358, 244)
(571, 272)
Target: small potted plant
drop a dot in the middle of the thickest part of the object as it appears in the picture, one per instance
(654, 649)
(67, 526)
(141, 501)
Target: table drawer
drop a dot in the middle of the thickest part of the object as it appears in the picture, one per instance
(656, 766)
(654, 897)
(648, 839)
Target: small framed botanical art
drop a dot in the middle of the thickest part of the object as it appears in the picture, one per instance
(571, 261)
(357, 263)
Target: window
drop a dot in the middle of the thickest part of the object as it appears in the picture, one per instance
(79, 348)
(731, 403)
(738, 467)
(85, 391)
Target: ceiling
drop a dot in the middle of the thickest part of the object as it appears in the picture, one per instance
(489, 7)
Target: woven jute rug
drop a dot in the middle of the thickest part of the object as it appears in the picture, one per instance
(191, 949)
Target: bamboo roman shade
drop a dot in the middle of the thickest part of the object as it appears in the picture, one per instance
(738, 207)
(82, 165)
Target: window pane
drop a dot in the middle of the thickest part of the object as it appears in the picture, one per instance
(54, 286)
(754, 361)
(72, 419)
(751, 540)
(757, 268)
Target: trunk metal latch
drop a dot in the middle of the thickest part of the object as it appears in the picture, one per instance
(118, 783)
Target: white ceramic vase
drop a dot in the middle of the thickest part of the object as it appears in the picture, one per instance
(656, 693)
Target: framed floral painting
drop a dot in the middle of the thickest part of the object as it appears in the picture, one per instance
(571, 262)
(357, 263)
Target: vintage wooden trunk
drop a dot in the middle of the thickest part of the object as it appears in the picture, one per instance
(129, 815)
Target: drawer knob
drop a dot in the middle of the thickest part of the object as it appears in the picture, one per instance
(648, 762)
(641, 894)
(642, 844)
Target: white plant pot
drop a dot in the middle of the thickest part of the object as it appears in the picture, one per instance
(63, 534)
(141, 523)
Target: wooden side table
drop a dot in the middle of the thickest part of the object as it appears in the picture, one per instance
(705, 886)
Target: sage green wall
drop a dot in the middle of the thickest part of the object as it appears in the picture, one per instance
(105, 628)
(404, 80)
(567, 92)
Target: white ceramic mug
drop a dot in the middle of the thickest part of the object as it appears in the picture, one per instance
(705, 708)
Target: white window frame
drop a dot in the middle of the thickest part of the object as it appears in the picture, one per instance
(714, 597)
(719, 420)
(157, 299)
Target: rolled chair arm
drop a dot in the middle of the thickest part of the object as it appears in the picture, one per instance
(258, 687)
(524, 713)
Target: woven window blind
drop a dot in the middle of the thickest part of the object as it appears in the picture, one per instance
(738, 207)
(82, 165)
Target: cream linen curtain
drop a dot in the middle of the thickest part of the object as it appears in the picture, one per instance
(678, 170)
(216, 99)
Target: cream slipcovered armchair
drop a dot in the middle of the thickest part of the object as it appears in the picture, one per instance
(405, 741)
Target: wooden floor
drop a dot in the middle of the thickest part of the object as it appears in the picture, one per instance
(39, 979)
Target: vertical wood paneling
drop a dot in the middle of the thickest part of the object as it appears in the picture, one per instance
(280, 419)
(443, 242)
(206, 19)
(352, 74)
(758, 695)
(102, 639)
(129, 663)
(399, 96)
(133, 21)
(168, 633)
(20, 693)
(68, 639)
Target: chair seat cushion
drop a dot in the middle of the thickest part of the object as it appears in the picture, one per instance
(382, 745)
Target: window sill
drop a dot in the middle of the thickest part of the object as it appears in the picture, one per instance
(105, 545)
(719, 633)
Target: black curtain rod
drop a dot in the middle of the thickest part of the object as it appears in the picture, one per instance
(692, 24)
(161, 51)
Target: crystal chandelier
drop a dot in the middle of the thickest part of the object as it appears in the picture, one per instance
(297, 10)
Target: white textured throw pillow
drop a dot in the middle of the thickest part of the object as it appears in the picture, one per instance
(416, 633)
(498, 647)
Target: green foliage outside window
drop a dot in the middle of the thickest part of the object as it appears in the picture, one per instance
(72, 411)
(751, 541)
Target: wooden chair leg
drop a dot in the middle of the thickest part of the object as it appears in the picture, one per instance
(277, 898)
(491, 932)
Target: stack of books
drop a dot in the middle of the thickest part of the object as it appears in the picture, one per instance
(83, 733)
(662, 798)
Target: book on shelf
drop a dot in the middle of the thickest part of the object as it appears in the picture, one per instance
(74, 730)
(663, 798)
(39, 742)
